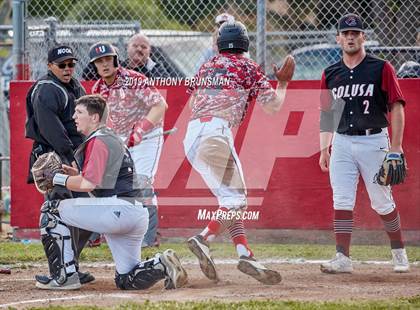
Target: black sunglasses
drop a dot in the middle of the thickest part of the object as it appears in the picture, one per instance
(63, 65)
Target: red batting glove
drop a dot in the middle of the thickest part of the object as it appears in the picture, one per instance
(138, 131)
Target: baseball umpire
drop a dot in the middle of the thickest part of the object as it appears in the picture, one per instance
(108, 174)
(49, 108)
(357, 93)
(136, 111)
(209, 144)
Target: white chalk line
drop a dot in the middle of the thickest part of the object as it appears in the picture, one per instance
(226, 261)
(290, 261)
(77, 297)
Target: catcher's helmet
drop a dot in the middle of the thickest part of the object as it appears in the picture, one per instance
(233, 36)
(103, 49)
(409, 69)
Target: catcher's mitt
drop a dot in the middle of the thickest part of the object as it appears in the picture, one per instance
(44, 169)
(393, 170)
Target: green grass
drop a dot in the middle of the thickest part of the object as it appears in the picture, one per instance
(6, 217)
(403, 303)
(14, 253)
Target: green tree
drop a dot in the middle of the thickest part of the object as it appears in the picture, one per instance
(191, 12)
(146, 12)
(45, 8)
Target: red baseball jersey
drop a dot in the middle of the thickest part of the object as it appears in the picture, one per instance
(129, 99)
(226, 84)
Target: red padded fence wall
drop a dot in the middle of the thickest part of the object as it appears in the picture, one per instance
(280, 162)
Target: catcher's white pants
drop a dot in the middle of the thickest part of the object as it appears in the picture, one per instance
(352, 156)
(122, 223)
(209, 147)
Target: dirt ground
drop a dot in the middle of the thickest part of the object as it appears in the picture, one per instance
(300, 282)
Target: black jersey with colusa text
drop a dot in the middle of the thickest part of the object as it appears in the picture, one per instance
(359, 98)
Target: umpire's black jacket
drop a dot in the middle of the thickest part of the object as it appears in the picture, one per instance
(49, 110)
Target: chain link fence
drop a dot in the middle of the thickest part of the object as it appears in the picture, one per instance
(181, 30)
(4, 140)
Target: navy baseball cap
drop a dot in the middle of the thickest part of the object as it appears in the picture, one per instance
(60, 53)
(101, 49)
(350, 22)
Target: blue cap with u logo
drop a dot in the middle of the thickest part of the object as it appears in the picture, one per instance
(101, 49)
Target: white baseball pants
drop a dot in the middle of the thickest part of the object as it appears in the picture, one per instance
(352, 156)
(122, 223)
(209, 147)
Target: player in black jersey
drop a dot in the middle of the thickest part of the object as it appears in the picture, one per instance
(356, 95)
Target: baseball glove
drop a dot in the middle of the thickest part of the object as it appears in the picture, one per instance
(285, 73)
(44, 169)
(393, 170)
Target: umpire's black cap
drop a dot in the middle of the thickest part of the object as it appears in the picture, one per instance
(350, 22)
(60, 53)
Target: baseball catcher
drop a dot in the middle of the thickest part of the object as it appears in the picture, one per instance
(393, 170)
(44, 169)
(112, 208)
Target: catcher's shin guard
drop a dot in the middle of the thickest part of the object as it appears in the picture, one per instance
(54, 235)
(143, 276)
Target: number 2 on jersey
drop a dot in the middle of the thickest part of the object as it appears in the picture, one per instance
(366, 104)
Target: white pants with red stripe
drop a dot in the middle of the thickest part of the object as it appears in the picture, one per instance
(122, 223)
(352, 156)
(209, 147)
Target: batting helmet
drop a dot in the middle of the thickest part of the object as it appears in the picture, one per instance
(223, 18)
(103, 49)
(409, 69)
(233, 37)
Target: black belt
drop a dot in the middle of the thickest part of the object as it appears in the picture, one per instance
(366, 132)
